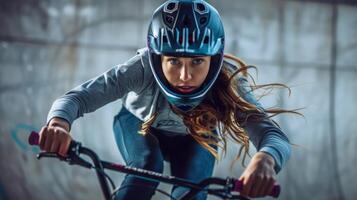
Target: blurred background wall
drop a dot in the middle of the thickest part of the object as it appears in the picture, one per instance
(48, 47)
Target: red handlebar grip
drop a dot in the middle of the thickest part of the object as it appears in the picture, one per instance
(34, 138)
(238, 186)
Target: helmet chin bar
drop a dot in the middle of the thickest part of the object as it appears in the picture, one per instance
(184, 107)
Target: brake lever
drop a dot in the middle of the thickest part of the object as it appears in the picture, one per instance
(50, 155)
(75, 159)
(72, 158)
(73, 153)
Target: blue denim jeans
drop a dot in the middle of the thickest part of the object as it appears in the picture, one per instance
(187, 158)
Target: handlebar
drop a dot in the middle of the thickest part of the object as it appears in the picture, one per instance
(75, 149)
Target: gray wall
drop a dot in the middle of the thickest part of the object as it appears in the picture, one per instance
(48, 47)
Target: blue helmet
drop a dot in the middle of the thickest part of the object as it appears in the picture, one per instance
(185, 28)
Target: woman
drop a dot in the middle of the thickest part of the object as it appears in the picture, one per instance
(184, 100)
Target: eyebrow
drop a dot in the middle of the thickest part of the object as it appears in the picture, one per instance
(193, 57)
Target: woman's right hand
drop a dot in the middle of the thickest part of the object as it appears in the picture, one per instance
(55, 137)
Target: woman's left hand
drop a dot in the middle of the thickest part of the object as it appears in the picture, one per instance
(259, 176)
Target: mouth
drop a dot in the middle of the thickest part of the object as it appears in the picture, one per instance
(185, 89)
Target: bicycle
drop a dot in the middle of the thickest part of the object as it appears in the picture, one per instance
(229, 187)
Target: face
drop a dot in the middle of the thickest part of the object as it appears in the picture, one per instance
(185, 74)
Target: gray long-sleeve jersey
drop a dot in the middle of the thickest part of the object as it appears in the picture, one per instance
(134, 84)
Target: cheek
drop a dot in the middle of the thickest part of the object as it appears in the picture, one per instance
(200, 76)
(204, 72)
(169, 74)
(164, 69)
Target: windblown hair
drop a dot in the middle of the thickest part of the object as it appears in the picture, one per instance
(223, 113)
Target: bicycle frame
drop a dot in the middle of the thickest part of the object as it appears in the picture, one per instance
(229, 185)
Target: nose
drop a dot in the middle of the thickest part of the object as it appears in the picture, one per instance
(185, 73)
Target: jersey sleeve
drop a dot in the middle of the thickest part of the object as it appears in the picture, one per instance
(95, 93)
(265, 134)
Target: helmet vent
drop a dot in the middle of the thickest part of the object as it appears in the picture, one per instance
(169, 19)
(201, 8)
(206, 40)
(203, 20)
(171, 7)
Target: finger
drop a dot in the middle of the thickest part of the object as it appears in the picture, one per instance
(55, 145)
(64, 147)
(247, 185)
(42, 139)
(48, 141)
(261, 190)
(242, 179)
(256, 186)
(270, 185)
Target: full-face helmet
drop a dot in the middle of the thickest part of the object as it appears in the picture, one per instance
(185, 28)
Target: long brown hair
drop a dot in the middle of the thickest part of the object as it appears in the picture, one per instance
(225, 110)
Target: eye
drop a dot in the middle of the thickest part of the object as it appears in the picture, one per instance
(174, 61)
(197, 61)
